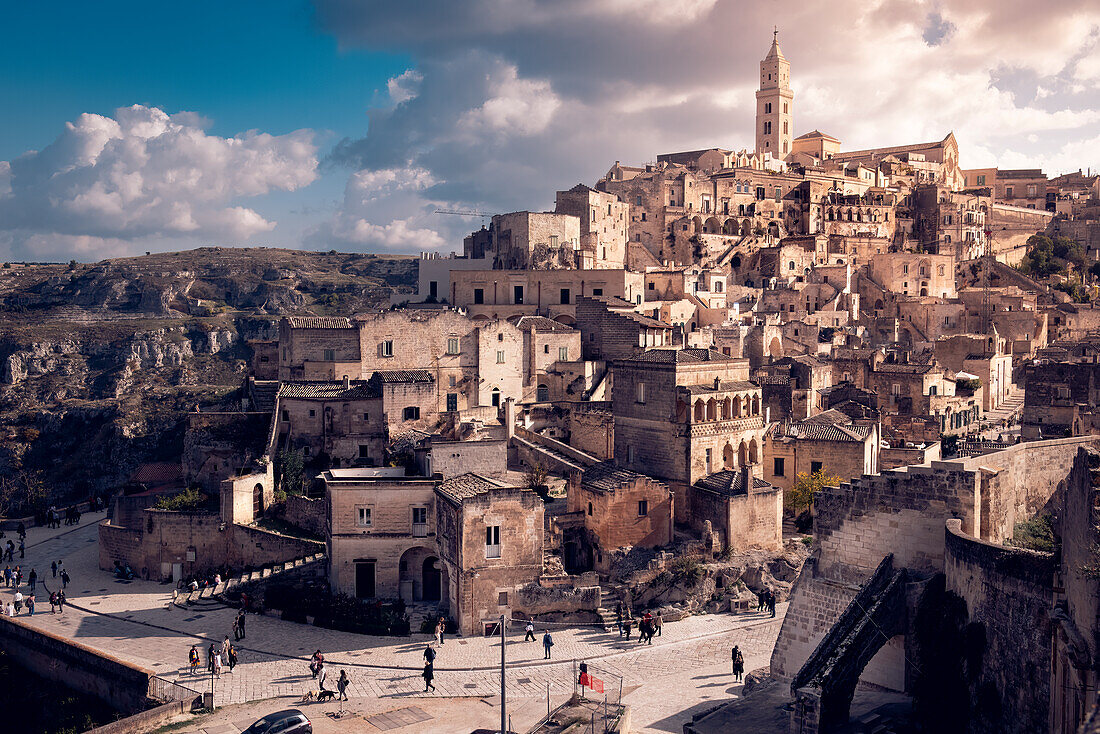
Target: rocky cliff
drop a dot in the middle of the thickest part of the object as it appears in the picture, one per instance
(100, 362)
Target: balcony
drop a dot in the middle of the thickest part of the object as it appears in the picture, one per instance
(420, 529)
(492, 551)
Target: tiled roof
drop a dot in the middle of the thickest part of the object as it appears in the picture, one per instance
(728, 483)
(807, 431)
(829, 417)
(645, 320)
(680, 356)
(724, 386)
(319, 322)
(157, 473)
(541, 323)
(466, 485)
(607, 477)
(328, 390)
(402, 376)
(903, 368)
(773, 379)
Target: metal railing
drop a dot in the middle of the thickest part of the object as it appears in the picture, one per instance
(166, 691)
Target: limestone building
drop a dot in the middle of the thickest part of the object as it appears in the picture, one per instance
(774, 104)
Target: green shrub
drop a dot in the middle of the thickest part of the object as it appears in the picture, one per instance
(188, 500)
(1035, 534)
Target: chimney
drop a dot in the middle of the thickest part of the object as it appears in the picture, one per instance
(746, 477)
(717, 383)
(347, 382)
(509, 417)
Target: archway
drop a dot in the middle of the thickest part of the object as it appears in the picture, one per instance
(432, 579)
(421, 576)
(542, 394)
(726, 409)
(754, 452)
(727, 457)
(775, 348)
(742, 454)
(495, 397)
(712, 226)
(700, 411)
(257, 502)
(712, 410)
(564, 318)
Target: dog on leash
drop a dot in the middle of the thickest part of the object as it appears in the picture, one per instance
(308, 697)
(325, 695)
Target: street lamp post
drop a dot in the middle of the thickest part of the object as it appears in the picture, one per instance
(503, 704)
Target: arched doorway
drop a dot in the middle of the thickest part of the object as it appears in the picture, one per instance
(432, 579)
(727, 457)
(495, 397)
(257, 502)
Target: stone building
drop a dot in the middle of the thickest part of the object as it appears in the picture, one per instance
(743, 510)
(499, 294)
(915, 274)
(952, 223)
(548, 346)
(382, 535)
(683, 414)
(490, 540)
(984, 356)
(603, 224)
(831, 441)
(1060, 399)
(528, 240)
(474, 362)
(774, 104)
(611, 329)
(609, 509)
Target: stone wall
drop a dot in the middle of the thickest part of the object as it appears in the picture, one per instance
(199, 542)
(121, 685)
(309, 514)
(1008, 591)
(533, 600)
(489, 458)
(592, 431)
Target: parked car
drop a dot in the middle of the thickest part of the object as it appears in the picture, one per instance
(290, 721)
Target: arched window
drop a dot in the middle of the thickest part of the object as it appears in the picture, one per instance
(790, 265)
(542, 393)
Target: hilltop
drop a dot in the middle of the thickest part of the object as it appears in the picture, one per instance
(99, 362)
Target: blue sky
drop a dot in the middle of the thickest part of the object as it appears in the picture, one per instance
(345, 123)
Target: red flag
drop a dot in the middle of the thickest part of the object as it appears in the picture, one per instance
(595, 684)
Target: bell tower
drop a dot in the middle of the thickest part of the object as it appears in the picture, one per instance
(774, 104)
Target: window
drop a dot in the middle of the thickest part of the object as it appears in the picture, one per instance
(643, 508)
(640, 392)
(564, 295)
(760, 195)
(651, 286)
(629, 455)
(312, 412)
(708, 457)
(1008, 192)
(500, 356)
(931, 389)
(779, 468)
(433, 289)
(452, 402)
(452, 345)
(420, 522)
(589, 508)
(387, 348)
(364, 451)
(546, 349)
(778, 194)
(286, 415)
(479, 295)
(784, 108)
(500, 336)
(563, 354)
(815, 467)
(597, 291)
(452, 380)
(981, 180)
(637, 201)
(492, 541)
(767, 108)
(895, 389)
(905, 268)
(542, 393)
(517, 294)
(767, 128)
(411, 413)
(329, 355)
(364, 517)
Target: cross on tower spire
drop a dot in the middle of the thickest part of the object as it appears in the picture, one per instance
(775, 34)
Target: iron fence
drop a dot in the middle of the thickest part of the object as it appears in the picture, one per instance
(165, 691)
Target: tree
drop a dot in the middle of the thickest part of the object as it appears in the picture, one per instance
(802, 493)
(22, 493)
(292, 471)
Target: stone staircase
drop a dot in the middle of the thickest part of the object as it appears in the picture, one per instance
(609, 598)
(214, 596)
(1007, 409)
(551, 459)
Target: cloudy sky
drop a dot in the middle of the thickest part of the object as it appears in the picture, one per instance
(344, 124)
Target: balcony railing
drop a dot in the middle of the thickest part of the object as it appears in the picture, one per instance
(420, 530)
(492, 551)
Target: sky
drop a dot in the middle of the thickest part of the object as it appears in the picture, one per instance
(345, 124)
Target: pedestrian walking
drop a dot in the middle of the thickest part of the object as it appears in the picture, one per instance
(771, 602)
(61, 601)
(429, 654)
(192, 657)
(619, 618)
(529, 632)
(439, 629)
(342, 686)
(22, 549)
(547, 643)
(240, 621)
(7, 575)
(18, 576)
(30, 605)
(18, 602)
(315, 663)
(22, 530)
(322, 676)
(32, 579)
(428, 675)
(627, 626)
(738, 663)
(237, 628)
(53, 567)
(65, 579)
(10, 609)
(231, 657)
(53, 603)
(658, 622)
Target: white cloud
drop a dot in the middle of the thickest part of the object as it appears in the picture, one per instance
(403, 87)
(145, 174)
(518, 106)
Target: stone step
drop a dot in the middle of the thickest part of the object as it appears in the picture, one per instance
(265, 572)
(206, 593)
(220, 588)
